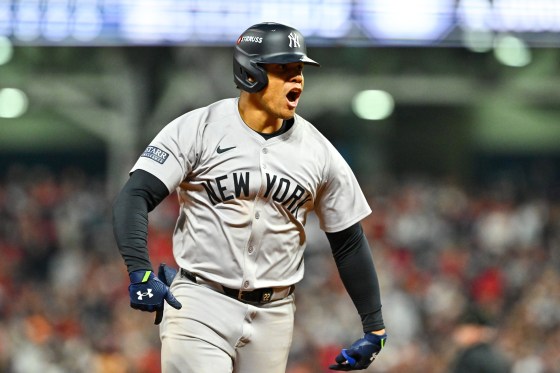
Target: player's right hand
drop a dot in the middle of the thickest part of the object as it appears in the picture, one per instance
(165, 274)
(147, 292)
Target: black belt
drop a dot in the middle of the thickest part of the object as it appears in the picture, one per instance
(258, 296)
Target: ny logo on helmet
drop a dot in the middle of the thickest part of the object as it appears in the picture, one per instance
(294, 40)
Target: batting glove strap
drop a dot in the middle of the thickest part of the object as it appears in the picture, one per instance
(140, 276)
(147, 292)
(361, 353)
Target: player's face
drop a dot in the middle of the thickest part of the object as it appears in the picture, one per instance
(285, 85)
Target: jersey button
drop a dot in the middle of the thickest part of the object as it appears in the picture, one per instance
(246, 284)
(265, 150)
(251, 249)
(257, 215)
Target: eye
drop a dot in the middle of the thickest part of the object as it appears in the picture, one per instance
(296, 68)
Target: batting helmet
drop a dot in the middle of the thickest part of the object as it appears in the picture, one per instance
(265, 43)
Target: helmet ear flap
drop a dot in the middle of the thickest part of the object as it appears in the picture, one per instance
(248, 75)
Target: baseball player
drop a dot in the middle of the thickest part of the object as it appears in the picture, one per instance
(247, 172)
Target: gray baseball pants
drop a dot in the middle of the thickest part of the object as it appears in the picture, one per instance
(214, 333)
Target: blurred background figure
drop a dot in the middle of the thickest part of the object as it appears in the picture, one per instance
(475, 336)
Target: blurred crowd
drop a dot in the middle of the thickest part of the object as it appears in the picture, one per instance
(440, 247)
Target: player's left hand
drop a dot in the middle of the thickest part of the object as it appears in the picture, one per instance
(361, 354)
(147, 293)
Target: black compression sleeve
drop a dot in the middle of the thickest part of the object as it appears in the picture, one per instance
(140, 195)
(355, 265)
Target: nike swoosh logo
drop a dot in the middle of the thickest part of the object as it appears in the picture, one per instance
(223, 150)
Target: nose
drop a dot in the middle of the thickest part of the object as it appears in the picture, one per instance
(297, 77)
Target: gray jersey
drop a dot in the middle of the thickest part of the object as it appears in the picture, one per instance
(244, 200)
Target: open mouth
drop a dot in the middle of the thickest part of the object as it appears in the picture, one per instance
(293, 97)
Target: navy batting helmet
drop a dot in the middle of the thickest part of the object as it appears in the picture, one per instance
(265, 43)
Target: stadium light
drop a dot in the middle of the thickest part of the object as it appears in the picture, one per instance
(407, 20)
(512, 51)
(13, 103)
(373, 104)
(6, 50)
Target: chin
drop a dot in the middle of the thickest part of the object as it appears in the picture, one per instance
(287, 114)
(287, 117)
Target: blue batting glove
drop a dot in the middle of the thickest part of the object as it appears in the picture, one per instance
(361, 354)
(147, 292)
(165, 274)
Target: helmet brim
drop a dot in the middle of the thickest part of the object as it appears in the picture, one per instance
(287, 58)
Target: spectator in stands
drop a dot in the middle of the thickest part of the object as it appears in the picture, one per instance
(477, 353)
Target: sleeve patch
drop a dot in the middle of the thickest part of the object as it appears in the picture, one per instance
(155, 154)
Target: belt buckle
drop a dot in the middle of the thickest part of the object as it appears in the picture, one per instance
(266, 296)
